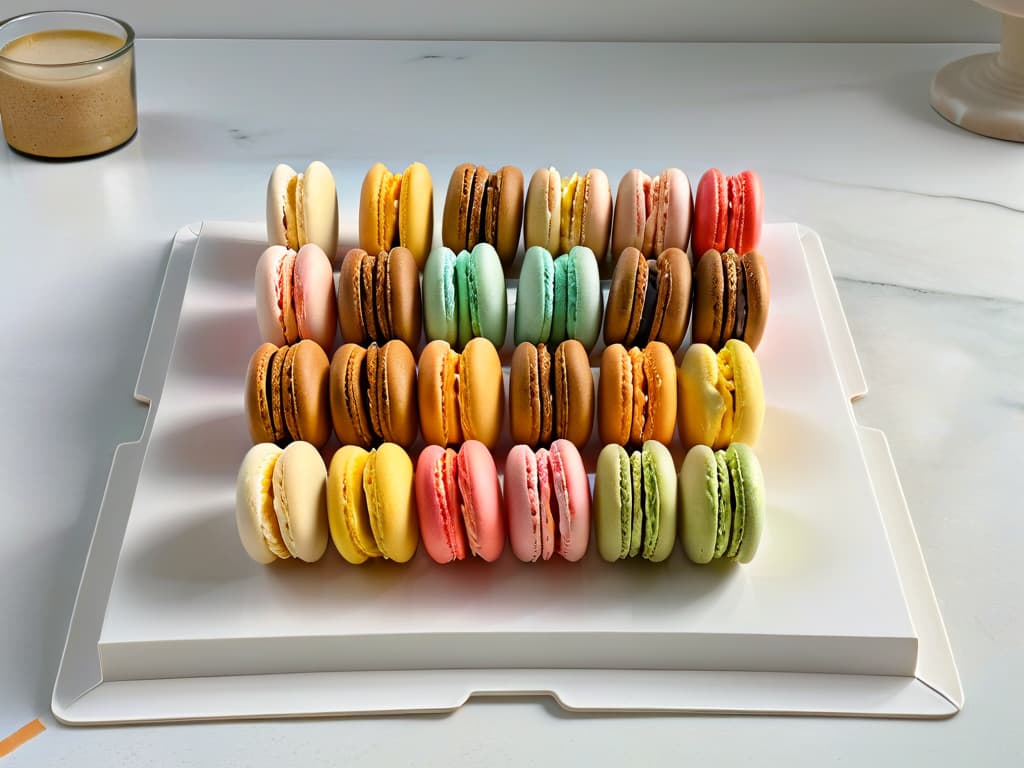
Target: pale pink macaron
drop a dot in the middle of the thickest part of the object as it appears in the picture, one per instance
(437, 504)
(652, 215)
(571, 490)
(295, 296)
(531, 526)
(482, 508)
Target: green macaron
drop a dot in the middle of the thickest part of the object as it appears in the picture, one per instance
(635, 502)
(578, 301)
(559, 303)
(480, 295)
(535, 298)
(723, 503)
(440, 307)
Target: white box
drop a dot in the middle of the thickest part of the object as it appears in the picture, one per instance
(835, 615)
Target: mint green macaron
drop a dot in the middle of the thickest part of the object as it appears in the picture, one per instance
(723, 503)
(535, 298)
(480, 296)
(440, 306)
(579, 303)
(560, 302)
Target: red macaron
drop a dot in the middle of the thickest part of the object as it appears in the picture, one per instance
(727, 212)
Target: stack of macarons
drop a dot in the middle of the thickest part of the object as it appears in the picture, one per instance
(416, 392)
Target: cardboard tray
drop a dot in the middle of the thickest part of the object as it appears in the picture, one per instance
(836, 615)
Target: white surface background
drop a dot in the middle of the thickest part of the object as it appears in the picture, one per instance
(922, 222)
(634, 20)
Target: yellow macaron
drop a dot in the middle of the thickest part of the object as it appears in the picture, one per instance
(721, 397)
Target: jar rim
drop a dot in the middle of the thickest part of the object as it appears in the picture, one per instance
(129, 39)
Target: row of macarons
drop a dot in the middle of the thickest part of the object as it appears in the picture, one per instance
(376, 394)
(375, 504)
(560, 212)
(381, 296)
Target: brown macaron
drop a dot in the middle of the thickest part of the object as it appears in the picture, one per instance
(461, 397)
(286, 395)
(484, 207)
(731, 298)
(637, 394)
(379, 297)
(373, 394)
(551, 396)
(649, 300)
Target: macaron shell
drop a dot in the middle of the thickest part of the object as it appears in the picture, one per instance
(523, 503)
(275, 390)
(525, 407)
(388, 486)
(662, 393)
(574, 393)
(257, 403)
(535, 297)
(416, 212)
(481, 392)
(701, 406)
(758, 292)
(630, 213)
(669, 222)
(628, 281)
(396, 394)
(510, 212)
(748, 395)
(437, 505)
(488, 299)
(269, 316)
(349, 401)
(748, 485)
(456, 201)
(435, 386)
(613, 503)
(672, 313)
(475, 207)
(306, 393)
(300, 500)
(277, 202)
(542, 217)
(376, 226)
(710, 213)
(585, 307)
(463, 299)
(597, 213)
(348, 519)
(350, 301)
(658, 457)
(403, 297)
(698, 499)
(636, 479)
(730, 295)
(709, 299)
(313, 296)
(748, 228)
(440, 304)
(254, 505)
(560, 301)
(320, 208)
(482, 508)
(572, 491)
(615, 396)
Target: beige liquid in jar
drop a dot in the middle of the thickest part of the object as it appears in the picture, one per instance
(66, 111)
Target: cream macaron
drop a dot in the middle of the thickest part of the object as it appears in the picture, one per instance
(303, 208)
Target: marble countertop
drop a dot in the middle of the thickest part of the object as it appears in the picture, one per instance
(922, 222)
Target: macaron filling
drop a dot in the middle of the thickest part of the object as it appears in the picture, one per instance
(445, 472)
(625, 502)
(651, 504)
(650, 305)
(637, 499)
(737, 502)
(725, 506)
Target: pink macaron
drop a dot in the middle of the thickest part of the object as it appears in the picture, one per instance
(480, 495)
(437, 504)
(540, 487)
(727, 213)
(295, 296)
(652, 215)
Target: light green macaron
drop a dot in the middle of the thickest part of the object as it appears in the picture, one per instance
(481, 296)
(578, 303)
(723, 503)
(535, 297)
(440, 306)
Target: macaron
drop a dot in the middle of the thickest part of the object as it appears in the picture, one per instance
(303, 208)
(347, 514)
(551, 396)
(480, 500)
(722, 497)
(286, 394)
(721, 398)
(438, 504)
(281, 503)
(379, 297)
(730, 298)
(636, 394)
(295, 296)
(397, 210)
(461, 396)
(652, 215)
(254, 505)
(561, 213)
(464, 296)
(535, 297)
(484, 207)
(578, 301)
(649, 300)
(373, 394)
(635, 502)
(547, 497)
(727, 212)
